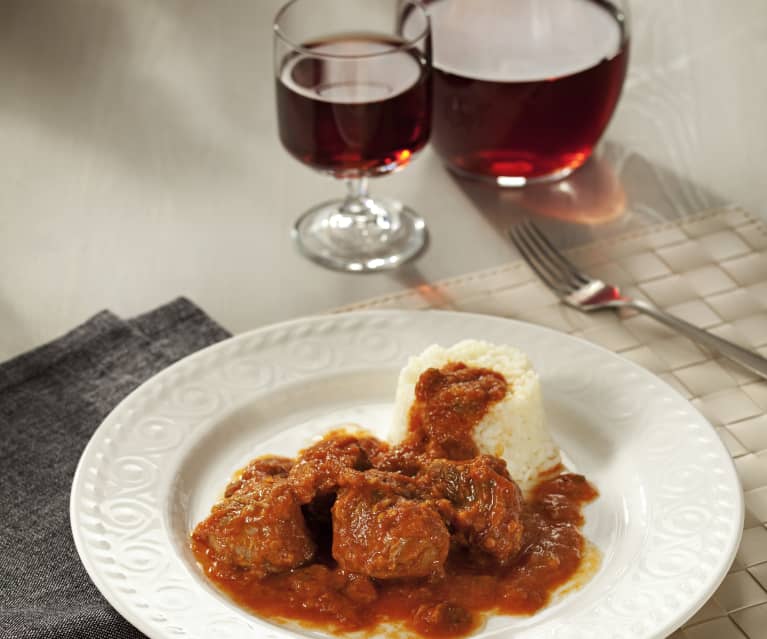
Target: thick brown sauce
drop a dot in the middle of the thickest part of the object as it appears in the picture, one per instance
(448, 403)
(451, 601)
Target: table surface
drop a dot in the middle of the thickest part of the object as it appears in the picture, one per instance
(139, 161)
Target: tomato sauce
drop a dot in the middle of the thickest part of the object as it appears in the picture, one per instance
(467, 585)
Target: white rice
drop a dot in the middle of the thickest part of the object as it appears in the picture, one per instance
(513, 428)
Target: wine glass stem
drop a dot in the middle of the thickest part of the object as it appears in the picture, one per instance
(373, 221)
(357, 187)
(357, 201)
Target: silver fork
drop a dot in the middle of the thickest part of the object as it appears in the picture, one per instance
(586, 293)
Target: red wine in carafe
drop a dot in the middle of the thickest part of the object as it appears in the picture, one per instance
(524, 89)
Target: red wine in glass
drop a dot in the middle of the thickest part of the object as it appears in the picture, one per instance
(354, 101)
(524, 89)
(351, 115)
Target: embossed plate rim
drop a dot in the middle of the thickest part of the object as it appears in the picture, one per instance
(89, 508)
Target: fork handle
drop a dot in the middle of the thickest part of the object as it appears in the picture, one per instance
(748, 359)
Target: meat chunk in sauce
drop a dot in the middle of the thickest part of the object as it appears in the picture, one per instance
(483, 504)
(381, 530)
(318, 468)
(267, 466)
(259, 529)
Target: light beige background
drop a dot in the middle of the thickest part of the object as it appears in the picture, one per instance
(139, 160)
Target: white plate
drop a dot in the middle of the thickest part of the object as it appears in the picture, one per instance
(668, 519)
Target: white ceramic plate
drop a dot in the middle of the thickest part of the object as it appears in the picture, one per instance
(668, 519)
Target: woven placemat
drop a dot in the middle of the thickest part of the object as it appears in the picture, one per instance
(711, 270)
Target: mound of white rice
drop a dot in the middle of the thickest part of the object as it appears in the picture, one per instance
(513, 428)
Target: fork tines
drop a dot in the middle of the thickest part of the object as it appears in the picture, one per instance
(556, 271)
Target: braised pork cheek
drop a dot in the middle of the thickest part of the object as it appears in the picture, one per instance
(428, 535)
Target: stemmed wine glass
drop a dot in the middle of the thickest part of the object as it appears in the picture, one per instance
(354, 101)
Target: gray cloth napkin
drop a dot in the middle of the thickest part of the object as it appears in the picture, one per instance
(51, 401)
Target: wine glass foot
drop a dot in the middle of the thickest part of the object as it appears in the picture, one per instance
(381, 236)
